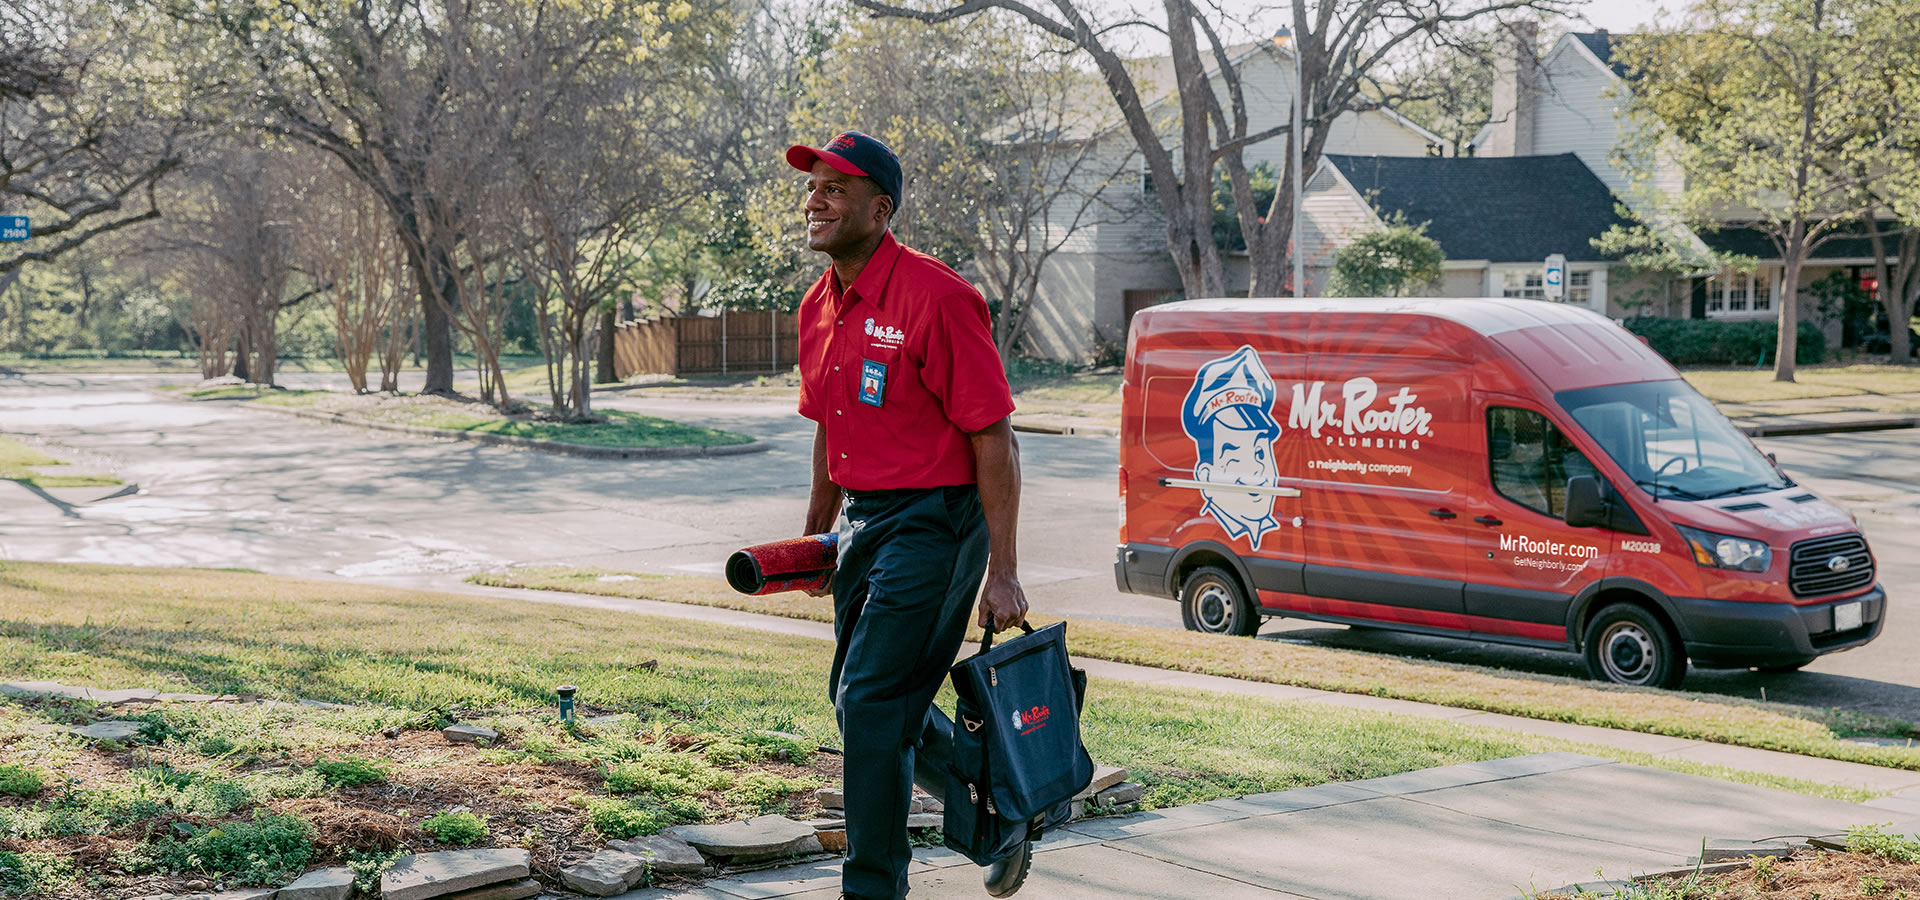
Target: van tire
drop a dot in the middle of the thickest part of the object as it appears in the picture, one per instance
(1212, 602)
(1626, 644)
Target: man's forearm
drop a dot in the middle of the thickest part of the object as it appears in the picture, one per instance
(996, 458)
(823, 503)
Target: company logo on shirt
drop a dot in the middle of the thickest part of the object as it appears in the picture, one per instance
(1027, 721)
(886, 335)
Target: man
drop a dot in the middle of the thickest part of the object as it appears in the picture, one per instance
(1228, 414)
(899, 371)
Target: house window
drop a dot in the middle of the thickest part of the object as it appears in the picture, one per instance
(1762, 292)
(1530, 285)
(1580, 287)
(1740, 294)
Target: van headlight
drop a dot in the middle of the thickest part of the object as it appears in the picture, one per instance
(1724, 551)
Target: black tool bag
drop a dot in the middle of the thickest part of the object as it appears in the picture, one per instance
(1017, 758)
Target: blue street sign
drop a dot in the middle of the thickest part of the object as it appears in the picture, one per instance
(15, 228)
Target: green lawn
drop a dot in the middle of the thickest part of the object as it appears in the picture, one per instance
(18, 462)
(1751, 385)
(616, 428)
(1771, 726)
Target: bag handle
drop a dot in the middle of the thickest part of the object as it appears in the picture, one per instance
(986, 637)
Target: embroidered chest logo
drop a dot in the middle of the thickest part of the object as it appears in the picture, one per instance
(1027, 721)
(886, 336)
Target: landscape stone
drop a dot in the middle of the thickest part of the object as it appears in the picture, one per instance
(605, 873)
(665, 853)
(761, 837)
(185, 698)
(831, 798)
(506, 890)
(464, 733)
(320, 884)
(806, 846)
(423, 875)
(42, 689)
(1728, 849)
(1124, 792)
(832, 841)
(1103, 777)
(925, 820)
(253, 894)
(117, 698)
(932, 805)
(111, 730)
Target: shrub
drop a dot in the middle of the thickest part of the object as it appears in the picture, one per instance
(1695, 342)
(1896, 847)
(763, 745)
(619, 820)
(369, 865)
(764, 792)
(32, 873)
(271, 848)
(352, 771)
(19, 781)
(456, 828)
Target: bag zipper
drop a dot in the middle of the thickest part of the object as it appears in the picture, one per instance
(993, 676)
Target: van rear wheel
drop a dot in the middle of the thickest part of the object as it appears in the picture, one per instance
(1626, 644)
(1212, 602)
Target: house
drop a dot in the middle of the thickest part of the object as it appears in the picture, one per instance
(1105, 272)
(1496, 218)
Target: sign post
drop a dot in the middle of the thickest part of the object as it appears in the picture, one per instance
(15, 228)
(1555, 279)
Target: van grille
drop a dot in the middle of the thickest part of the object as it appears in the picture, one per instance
(1810, 573)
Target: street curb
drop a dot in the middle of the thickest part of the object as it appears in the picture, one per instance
(585, 451)
(1088, 430)
(1783, 429)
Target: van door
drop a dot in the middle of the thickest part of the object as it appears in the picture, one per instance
(1524, 563)
(1385, 442)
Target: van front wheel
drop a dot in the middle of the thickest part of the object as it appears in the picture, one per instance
(1212, 602)
(1626, 644)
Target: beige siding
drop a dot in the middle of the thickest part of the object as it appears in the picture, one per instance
(1579, 113)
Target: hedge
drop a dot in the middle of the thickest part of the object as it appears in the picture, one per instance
(1706, 342)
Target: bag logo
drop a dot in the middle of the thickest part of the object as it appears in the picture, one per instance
(1030, 720)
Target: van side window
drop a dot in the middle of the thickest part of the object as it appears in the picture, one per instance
(1532, 460)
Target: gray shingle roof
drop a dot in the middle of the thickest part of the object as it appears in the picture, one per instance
(1496, 208)
(1851, 243)
(1601, 43)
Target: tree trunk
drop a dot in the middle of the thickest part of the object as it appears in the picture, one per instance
(1785, 350)
(437, 331)
(604, 373)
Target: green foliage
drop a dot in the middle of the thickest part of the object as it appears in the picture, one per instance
(764, 792)
(29, 874)
(1896, 847)
(1840, 298)
(1397, 261)
(271, 848)
(1697, 342)
(369, 865)
(1226, 218)
(726, 753)
(458, 829)
(352, 771)
(20, 781)
(762, 745)
(618, 819)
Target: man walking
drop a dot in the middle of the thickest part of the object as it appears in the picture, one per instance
(900, 374)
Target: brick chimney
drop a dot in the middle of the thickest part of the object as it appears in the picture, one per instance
(1516, 91)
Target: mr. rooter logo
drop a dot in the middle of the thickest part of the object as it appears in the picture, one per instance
(1030, 720)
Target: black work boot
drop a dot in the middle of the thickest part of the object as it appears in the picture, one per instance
(1003, 877)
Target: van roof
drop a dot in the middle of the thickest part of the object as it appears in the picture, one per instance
(1567, 347)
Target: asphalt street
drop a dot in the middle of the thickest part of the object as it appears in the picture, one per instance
(226, 486)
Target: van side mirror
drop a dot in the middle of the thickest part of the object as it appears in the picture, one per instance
(1587, 504)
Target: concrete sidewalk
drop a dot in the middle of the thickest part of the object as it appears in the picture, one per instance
(1505, 828)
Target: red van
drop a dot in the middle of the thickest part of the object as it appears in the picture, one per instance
(1504, 470)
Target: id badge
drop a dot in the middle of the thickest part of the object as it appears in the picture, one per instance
(873, 382)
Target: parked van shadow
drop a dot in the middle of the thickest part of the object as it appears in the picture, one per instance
(1843, 692)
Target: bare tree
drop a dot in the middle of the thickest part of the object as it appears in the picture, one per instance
(348, 242)
(81, 153)
(1346, 51)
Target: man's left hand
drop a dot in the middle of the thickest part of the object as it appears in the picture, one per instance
(1003, 604)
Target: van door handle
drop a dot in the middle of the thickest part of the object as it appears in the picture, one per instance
(1486, 520)
(1442, 514)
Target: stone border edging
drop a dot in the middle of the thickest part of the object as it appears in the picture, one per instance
(1813, 425)
(587, 451)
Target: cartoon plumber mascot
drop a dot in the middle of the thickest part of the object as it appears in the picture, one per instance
(1228, 414)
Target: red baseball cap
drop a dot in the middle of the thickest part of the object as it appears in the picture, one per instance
(853, 153)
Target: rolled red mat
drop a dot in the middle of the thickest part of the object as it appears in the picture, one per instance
(795, 564)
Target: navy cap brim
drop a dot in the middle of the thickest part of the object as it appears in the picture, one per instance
(802, 157)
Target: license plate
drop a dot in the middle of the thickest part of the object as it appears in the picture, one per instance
(1846, 616)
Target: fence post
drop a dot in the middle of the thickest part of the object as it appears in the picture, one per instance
(773, 341)
(723, 340)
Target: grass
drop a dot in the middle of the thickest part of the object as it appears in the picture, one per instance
(1754, 385)
(616, 428)
(1874, 865)
(1770, 726)
(18, 462)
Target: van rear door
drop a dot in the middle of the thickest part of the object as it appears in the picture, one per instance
(1385, 439)
(1524, 563)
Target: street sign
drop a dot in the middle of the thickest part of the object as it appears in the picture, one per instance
(15, 228)
(1555, 279)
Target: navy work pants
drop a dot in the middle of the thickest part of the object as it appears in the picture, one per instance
(902, 594)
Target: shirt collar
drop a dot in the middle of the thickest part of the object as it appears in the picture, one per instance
(871, 286)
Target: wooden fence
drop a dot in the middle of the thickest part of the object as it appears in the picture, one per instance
(750, 343)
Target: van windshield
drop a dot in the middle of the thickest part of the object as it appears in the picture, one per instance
(1671, 441)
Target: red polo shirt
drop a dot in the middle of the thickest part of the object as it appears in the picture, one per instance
(899, 368)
